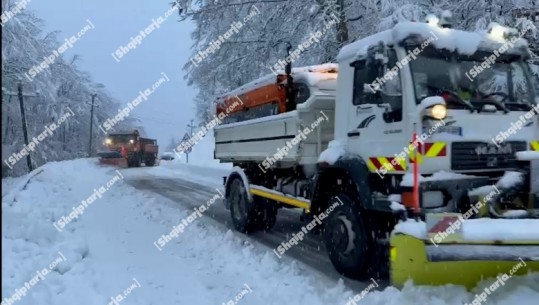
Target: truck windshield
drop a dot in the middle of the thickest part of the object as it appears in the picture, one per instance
(121, 138)
(473, 80)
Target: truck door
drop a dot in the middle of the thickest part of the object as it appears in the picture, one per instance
(376, 127)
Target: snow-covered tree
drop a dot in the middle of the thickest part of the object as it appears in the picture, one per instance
(61, 89)
(261, 41)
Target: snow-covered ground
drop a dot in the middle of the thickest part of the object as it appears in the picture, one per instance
(109, 250)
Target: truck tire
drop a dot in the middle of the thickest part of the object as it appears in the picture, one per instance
(245, 215)
(150, 162)
(349, 241)
(137, 161)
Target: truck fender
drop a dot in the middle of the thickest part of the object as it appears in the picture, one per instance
(352, 167)
(237, 172)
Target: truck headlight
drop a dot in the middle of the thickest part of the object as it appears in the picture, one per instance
(108, 141)
(438, 112)
(131, 141)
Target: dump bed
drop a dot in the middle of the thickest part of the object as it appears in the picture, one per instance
(257, 139)
(263, 125)
(149, 145)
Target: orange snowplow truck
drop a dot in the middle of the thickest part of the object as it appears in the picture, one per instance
(129, 150)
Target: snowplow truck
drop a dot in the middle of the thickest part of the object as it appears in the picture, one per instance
(129, 150)
(417, 153)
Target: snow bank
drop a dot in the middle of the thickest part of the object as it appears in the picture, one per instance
(31, 242)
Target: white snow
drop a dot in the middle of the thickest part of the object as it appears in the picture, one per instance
(431, 101)
(111, 244)
(396, 206)
(451, 39)
(416, 228)
(483, 229)
(312, 74)
(509, 179)
(481, 191)
(501, 229)
(408, 178)
(528, 155)
(336, 149)
(515, 213)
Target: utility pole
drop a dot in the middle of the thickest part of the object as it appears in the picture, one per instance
(24, 129)
(191, 135)
(21, 96)
(91, 125)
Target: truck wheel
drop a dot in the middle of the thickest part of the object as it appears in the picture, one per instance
(150, 162)
(137, 161)
(245, 216)
(348, 240)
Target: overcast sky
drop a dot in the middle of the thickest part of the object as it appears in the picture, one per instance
(167, 112)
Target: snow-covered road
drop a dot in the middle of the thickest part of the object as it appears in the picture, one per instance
(109, 248)
(189, 195)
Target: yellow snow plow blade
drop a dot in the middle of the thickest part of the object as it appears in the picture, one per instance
(458, 263)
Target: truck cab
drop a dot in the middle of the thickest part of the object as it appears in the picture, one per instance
(472, 107)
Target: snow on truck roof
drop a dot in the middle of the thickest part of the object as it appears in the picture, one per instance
(464, 42)
(310, 74)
